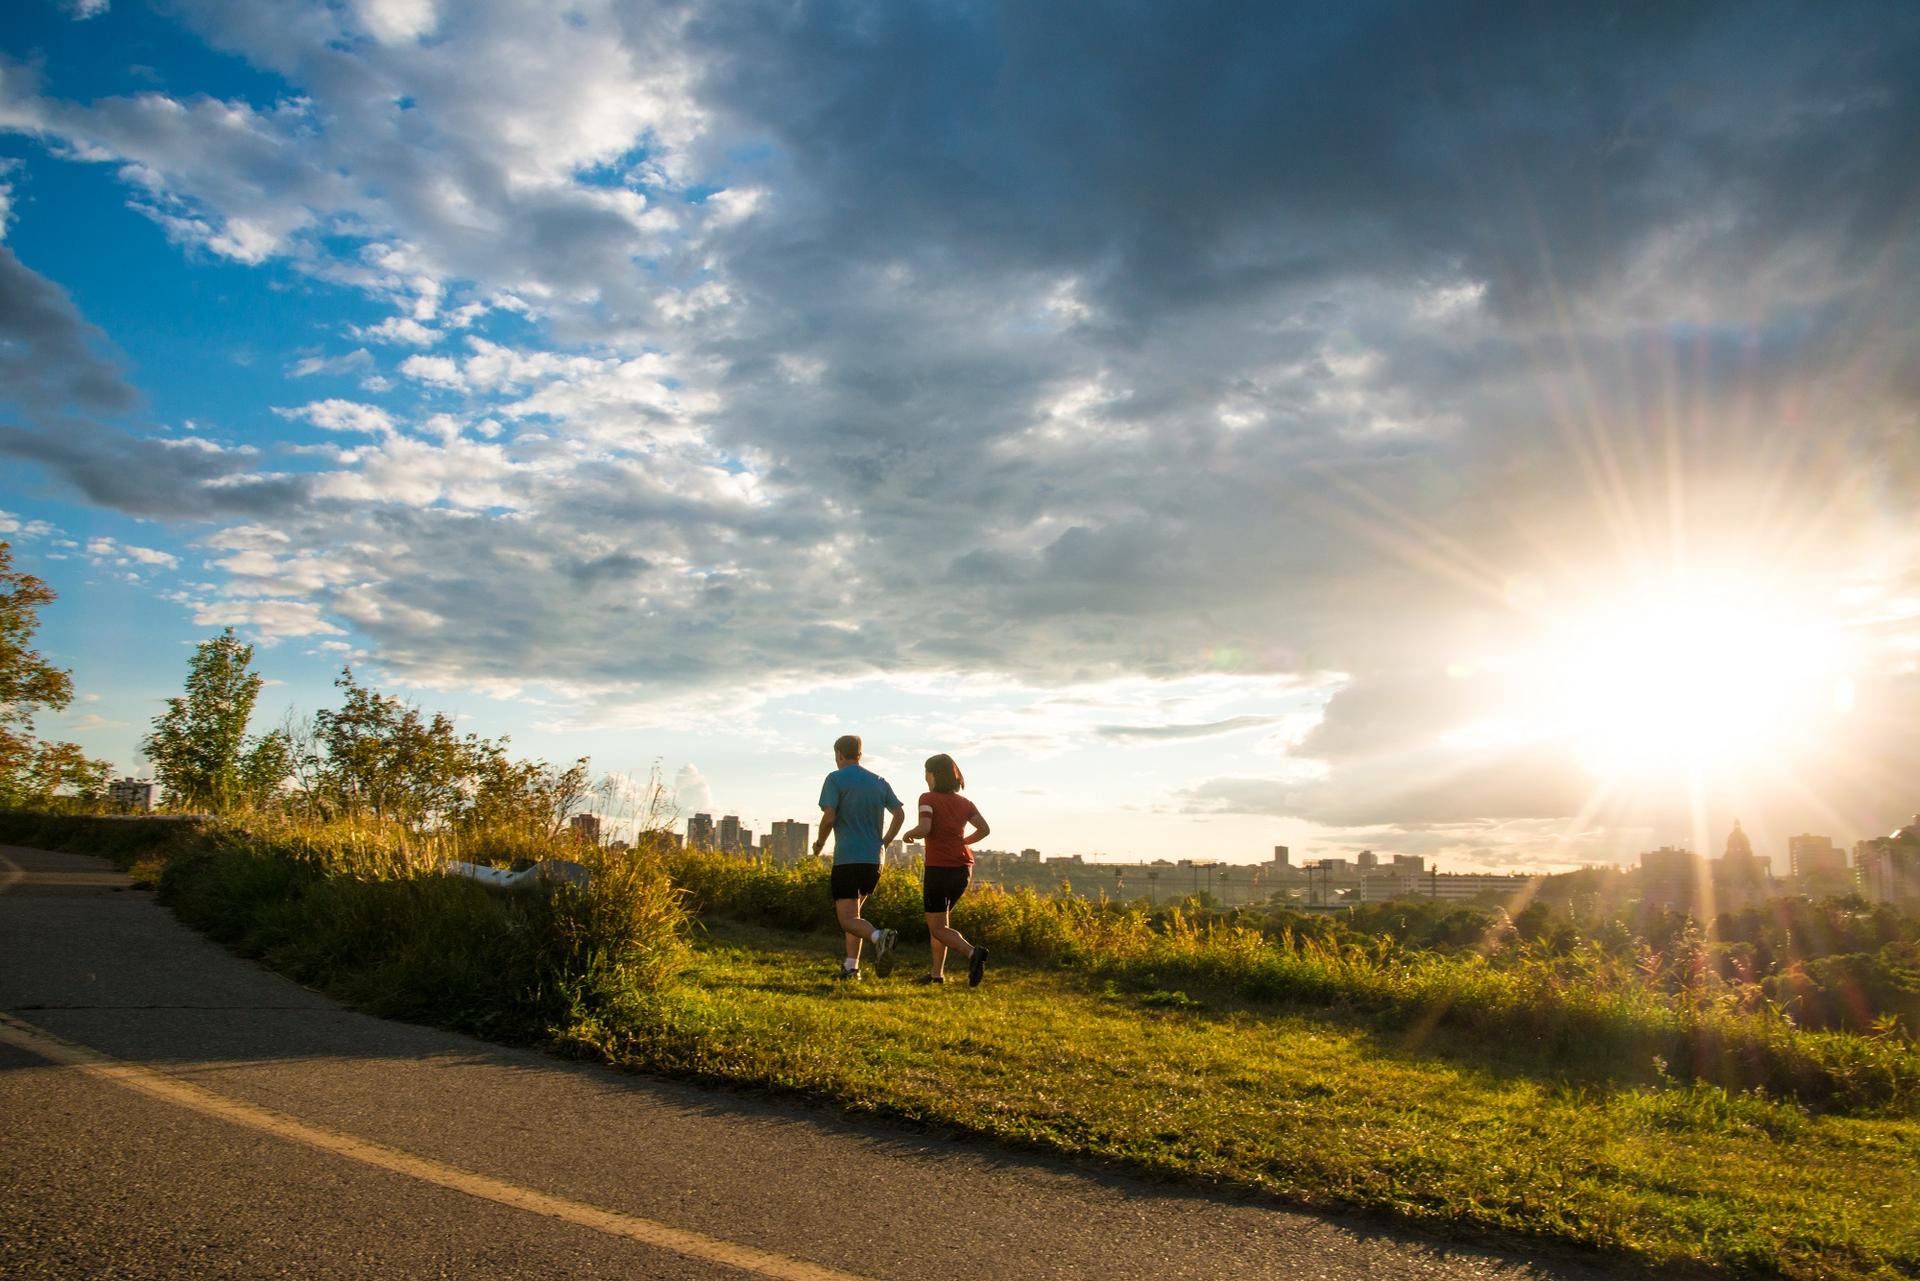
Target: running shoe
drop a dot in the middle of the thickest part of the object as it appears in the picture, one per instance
(883, 952)
(931, 978)
(847, 976)
(976, 966)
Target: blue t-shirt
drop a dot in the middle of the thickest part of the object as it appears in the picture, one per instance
(858, 798)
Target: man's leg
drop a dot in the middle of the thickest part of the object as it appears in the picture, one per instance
(857, 929)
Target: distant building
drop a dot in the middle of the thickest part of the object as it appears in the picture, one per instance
(1280, 856)
(1740, 877)
(1889, 866)
(1461, 887)
(1818, 867)
(1029, 856)
(586, 827)
(131, 795)
(1671, 875)
(727, 838)
(787, 842)
(700, 832)
(1367, 859)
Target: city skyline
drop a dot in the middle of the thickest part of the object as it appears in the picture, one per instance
(1504, 466)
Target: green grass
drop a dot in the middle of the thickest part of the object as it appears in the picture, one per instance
(1313, 1109)
(1586, 1013)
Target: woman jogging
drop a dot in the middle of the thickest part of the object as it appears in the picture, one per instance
(944, 818)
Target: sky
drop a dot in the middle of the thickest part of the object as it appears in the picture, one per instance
(1485, 431)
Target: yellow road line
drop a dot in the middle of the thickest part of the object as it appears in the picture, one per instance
(692, 1245)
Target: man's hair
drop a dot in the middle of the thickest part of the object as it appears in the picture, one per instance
(847, 745)
(946, 774)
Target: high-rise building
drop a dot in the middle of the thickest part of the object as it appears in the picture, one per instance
(1280, 856)
(700, 832)
(787, 842)
(1818, 867)
(1670, 875)
(586, 827)
(131, 795)
(728, 836)
(1889, 866)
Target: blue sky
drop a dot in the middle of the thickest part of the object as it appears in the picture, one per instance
(1217, 430)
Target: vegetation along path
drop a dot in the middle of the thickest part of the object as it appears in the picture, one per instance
(1510, 1104)
(175, 1111)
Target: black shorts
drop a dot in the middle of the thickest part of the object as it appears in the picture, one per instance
(854, 880)
(943, 887)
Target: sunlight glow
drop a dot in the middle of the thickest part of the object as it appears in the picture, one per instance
(1718, 680)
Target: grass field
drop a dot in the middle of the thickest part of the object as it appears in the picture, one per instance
(1308, 1107)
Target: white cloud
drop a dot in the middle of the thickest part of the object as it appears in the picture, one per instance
(440, 371)
(395, 21)
(107, 551)
(81, 10)
(400, 329)
(691, 793)
(334, 414)
(357, 359)
(270, 620)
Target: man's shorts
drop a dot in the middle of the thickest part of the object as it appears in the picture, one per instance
(943, 887)
(853, 880)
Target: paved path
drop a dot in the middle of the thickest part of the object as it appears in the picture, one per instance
(168, 1110)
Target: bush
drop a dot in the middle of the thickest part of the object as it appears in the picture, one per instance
(361, 910)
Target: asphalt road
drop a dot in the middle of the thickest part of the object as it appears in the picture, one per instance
(169, 1110)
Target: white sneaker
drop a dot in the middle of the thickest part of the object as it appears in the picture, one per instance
(883, 952)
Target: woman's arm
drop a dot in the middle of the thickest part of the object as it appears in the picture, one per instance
(923, 827)
(980, 829)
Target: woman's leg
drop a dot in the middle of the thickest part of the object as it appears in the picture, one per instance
(937, 921)
(944, 937)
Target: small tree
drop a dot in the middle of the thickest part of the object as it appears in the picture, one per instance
(33, 772)
(383, 757)
(199, 746)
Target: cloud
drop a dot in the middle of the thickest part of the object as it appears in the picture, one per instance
(1141, 350)
(47, 352)
(1164, 733)
(342, 415)
(691, 793)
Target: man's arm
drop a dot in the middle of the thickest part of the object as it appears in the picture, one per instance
(899, 813)
(827, 815)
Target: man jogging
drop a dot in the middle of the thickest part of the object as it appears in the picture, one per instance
(851, 801)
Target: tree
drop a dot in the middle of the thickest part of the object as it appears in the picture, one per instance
(383, 757)
(199, 746)
(33, 772)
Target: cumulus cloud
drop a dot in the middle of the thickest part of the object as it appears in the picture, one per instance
(342, 415)
(691, 793)
(1348, 349)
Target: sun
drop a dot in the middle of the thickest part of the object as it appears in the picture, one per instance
(1722, 677)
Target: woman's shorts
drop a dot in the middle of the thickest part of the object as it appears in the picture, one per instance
(943, 887)
(853, 880)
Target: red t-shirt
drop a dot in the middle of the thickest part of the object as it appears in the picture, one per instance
(949, 812)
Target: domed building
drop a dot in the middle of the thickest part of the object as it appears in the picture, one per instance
(1889, 866)
(1740, 877)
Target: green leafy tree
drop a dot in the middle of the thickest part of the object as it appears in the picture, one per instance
(199, 746)
(380, 756)
(384, 757)
(33, 772)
